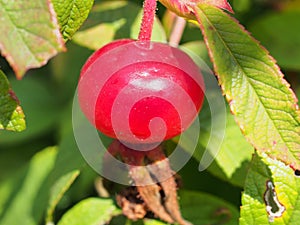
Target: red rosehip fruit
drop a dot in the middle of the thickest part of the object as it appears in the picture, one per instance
(140, 92)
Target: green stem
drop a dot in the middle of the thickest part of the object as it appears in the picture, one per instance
(148, 20)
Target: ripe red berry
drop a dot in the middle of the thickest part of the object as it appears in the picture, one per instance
(126, 85)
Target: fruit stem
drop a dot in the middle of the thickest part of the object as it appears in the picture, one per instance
(177, 31)
(149, 9)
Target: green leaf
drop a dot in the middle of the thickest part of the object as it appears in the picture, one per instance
(153, 222)
(279, 33)
(263, 104)
(11, 113)
(96, 211)
(68, 166)
(91, 211)
(99, 35)
(32, 35)
(110, 20)
(71, 14)
(23, 196)
(284, 198)
(59, 188)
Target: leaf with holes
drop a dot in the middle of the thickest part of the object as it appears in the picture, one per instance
(71, 14)
(271, 193)
(11, 114)
(263, 104)
(31, 31)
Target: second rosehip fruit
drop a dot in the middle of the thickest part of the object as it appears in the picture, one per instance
(126, 85)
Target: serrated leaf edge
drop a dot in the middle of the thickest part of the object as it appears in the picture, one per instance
(277, 72)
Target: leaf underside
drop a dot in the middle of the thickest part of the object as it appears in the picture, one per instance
(261, 100)
(11, 114)
(32, 35)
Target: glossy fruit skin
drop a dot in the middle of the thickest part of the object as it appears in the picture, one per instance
(126, 84)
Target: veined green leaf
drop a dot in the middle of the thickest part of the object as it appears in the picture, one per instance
(91, 211)
(71, 14)
(263, 104)
(30, 34)
(271, 194)
(221, 141)
(11, 113)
